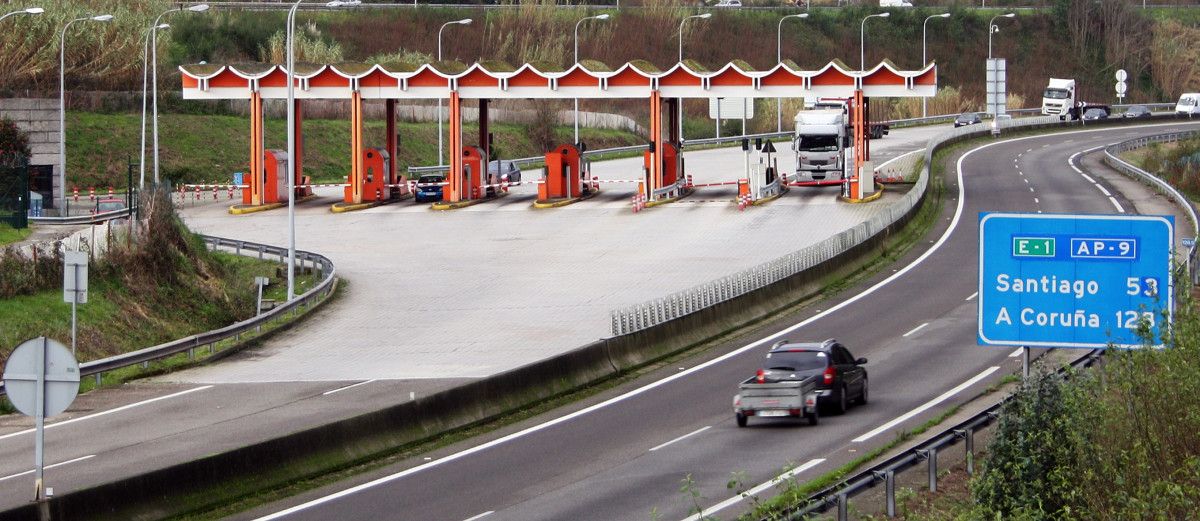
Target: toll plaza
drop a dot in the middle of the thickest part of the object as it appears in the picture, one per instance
(372, 176)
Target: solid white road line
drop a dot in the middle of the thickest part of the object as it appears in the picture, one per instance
(927, 405)
(915, 329)
(1016, 353)
(1103, 190)
(110, 411)
(351, 386)
(1088, 177)
(1120, 209)
(756, 490)
(1036, 201)
(685, 436)
(47, 467)
(654, 385)
(973, 295)
(480, 516)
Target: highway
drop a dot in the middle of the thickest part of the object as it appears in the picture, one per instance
(623, 455)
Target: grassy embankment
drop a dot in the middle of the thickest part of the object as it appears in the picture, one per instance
(160, 286)
(9, 235)
(209, 148)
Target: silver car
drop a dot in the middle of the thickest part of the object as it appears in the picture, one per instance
(499, 168)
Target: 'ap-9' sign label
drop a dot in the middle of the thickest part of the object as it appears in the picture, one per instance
(1073, 280)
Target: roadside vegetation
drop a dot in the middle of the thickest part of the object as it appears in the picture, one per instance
(1176, 163)
(150, 286)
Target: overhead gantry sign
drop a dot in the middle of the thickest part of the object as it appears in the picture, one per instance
(455, 82)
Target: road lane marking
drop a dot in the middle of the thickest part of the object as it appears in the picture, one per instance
(757, 490)
(958, 212)
(351, 386)
(1089, 178)
(110, 411)
(973, 295)
(1031, 189)
(1036, 201)
(1120, 209)
(1026, 180)
(47, 467)
(685, 436)
(1016, 353)
(915, 329)
(480, 516)
(927, 405)
(1103, 190)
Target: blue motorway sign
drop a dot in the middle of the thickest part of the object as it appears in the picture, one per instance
(1054, 280)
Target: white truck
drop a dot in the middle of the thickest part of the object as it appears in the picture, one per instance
(820, 144)
(1059, 98)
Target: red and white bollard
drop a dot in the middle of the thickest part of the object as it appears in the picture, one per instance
(196, 197)
(689, 182)
(76, 190)
(215, 193)
(231, 192)
(91, 193)
(595, 183)
(474, 192)
(110, 192)
(378, 195)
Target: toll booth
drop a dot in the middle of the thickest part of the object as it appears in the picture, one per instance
(271, 182)
(376, 168)
(474, 170)
(672, 163)
(565, 167)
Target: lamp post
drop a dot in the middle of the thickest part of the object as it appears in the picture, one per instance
(291, 139)
(992, 27)
(862, 40)
(31, 10)
(153, 42)
(779, 59)
(145, 102)
(464, 21)
(597, 17)
(924, 61)
(704, 16)
(681, 22)
(62, 103)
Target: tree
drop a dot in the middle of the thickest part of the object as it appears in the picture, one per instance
(14, 144)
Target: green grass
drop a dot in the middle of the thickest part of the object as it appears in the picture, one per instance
(209, 148)
(9, 235)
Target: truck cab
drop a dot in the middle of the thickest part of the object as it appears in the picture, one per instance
(1059, 98)
(820, 144)
(1188, 105)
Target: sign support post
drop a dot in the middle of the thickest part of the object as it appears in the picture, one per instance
(75, 276)
(1025, 362)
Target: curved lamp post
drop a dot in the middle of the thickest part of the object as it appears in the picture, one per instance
(62, 104)
(464, 21)
(778, 60)
(597, 17)
(924, 61)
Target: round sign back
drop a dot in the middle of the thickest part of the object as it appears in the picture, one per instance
(49, 361)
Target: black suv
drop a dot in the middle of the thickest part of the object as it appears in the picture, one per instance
(842, 377)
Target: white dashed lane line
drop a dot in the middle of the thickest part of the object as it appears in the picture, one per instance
(1071, 162)
(685, 436)
(915, 329)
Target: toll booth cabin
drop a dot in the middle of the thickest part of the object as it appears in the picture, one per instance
(565, 175)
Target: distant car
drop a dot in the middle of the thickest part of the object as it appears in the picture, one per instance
(967, 118)
(843, 378)
(502, 170)
(1137, 111)
(728, 3)
(1094, 114)
(429, 188)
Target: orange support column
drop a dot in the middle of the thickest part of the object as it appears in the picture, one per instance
(453, 190)
(354, 192)
(254, 193)
(656, 166)
(859, 142)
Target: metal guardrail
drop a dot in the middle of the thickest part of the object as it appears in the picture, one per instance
(208, 339)
(1111, 157)
(838, 495)
(83, 219)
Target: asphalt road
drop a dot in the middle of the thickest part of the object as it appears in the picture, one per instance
(625, 457)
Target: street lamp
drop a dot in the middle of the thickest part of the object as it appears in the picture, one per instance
(291, 139)
(862, 40)
(924, 61)
(62, 103)
(464, 21)
(153, 42)
(145, 101)
(681, 22)
(597, 17)
(992, 28)
(31, 10)
(779, 59)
